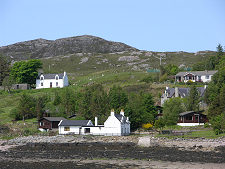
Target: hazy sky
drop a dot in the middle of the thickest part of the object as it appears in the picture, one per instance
(156, 25)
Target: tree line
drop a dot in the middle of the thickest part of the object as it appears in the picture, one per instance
(88, 103)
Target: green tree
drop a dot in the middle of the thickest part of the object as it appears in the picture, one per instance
(117, 98)
(7, 83)
(4, 68)
(26, 107)
(26, 71)
(141, 109)
(94, 103)
(193, 99)
(171, 110)
(41, 102)
(220, 51)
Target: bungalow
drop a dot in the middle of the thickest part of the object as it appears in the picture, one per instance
(192, 118)
(49, 123)
(195, 76)
(115, 125)
(52, 81)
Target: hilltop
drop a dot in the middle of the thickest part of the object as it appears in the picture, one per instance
(42, 48)
(85, 54)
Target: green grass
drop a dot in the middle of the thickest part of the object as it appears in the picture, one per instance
(208, 134)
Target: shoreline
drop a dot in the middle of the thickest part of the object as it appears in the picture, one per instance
(109, 152)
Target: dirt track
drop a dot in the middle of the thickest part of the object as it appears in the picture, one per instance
(85, 155)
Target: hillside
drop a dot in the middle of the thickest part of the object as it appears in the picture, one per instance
(85, 54)
(41, 48)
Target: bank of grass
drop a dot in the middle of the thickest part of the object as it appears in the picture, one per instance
(207, 134)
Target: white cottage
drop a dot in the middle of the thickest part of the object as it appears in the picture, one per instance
(115, 125)
(52, 80)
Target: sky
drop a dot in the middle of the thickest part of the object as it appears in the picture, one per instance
(153, 25)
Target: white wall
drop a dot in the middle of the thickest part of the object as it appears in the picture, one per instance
(46, 82)
(189, 124)
(73, 130)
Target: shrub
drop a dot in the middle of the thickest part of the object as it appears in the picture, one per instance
(206, 125)
(160, 123)
(15, 114)
(147, 126)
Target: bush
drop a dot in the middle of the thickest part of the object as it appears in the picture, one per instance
(160, 123)
(15, 114)
(147, 126)
(206, 125)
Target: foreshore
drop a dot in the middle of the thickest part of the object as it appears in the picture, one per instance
(112, 152)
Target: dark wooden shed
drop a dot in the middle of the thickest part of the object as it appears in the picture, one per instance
(49, 123)
(192, 117)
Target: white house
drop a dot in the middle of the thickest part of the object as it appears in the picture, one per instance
(115, 125)
(52, 80)
(195, 76)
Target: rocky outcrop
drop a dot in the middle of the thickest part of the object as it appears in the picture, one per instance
(41, 48)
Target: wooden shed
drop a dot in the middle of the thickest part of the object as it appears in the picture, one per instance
(192, 118)
(49, 123)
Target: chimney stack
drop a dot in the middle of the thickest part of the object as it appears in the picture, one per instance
(176, 92)
(112, 112)
(64, 73)
(122, 112)
(96, 121)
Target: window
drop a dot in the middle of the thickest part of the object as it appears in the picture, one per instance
(41, 123)
(42, 78)
(207, 77)
(56, 83)
(66, 128)
(199, 77)
(56, 77)
(87, 130)
(188, 117)
(41, 83)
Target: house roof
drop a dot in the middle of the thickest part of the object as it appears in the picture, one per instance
(51, 76)
(54, 118)
(120, 117)
(189, 112)
(184, 91)
(198, 73)
(74, 123)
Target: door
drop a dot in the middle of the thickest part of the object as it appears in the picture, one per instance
(50, 84)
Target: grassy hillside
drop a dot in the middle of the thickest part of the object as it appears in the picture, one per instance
(83, 63)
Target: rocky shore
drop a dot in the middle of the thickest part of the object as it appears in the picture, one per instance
(111, 152)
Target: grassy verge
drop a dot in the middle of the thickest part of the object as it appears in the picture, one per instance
(208, 134)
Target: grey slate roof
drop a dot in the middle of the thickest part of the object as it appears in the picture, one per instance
(198, 73)
(189, 112)
(54, 118)
(185, 113)
(51, 76)
(184, 91)
(74, 123)
(119, 117)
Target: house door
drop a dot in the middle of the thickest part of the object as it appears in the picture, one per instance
(50, 84)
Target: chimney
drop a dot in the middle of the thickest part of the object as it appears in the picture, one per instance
(122, 112)
(176, 92)
(96, 121)
(64, 73)
(167, 87)
(112, 112)
(127, 119)
(205, 86)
